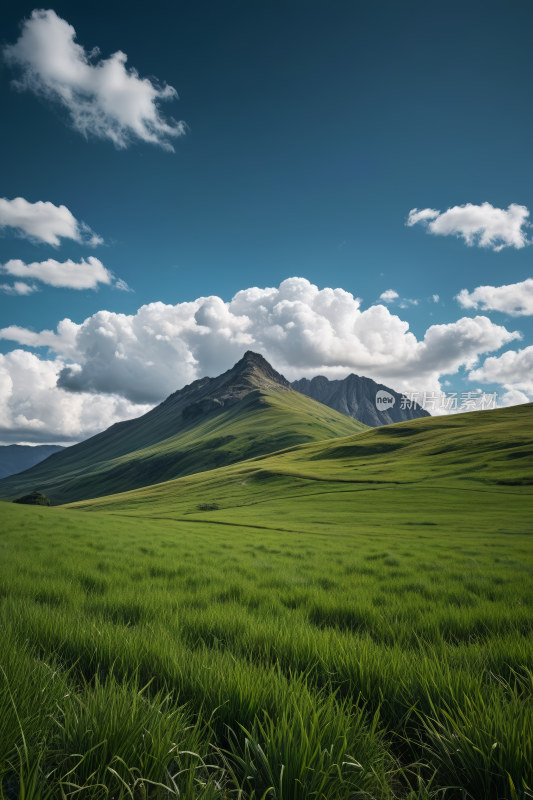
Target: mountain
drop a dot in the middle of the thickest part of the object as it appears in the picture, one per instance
(355, 397)
(16, 458)
(248, 411)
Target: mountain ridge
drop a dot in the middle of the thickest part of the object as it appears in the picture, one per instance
(16, 458)
(355, 396)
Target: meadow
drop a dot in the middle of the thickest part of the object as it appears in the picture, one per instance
(327, 622)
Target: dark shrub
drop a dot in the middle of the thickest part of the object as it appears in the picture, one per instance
(33, 499)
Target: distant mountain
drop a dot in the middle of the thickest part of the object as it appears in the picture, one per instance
(16, 458)
(357, 397)
(248, 411)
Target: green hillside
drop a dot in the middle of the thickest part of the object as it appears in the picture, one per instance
(137, 453)
(468, 458)
(342, 619)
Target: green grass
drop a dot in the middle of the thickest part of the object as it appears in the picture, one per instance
(161, 445)
(320, 634)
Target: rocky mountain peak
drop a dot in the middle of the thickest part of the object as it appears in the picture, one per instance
(250, 356)
(258, 370)
(252, 372)
(356, 396)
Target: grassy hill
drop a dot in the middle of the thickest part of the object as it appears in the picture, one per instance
(470, 456)
(192, 431)
(361, 607)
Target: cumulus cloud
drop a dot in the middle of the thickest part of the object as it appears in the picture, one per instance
(85, 275)
(436, 298)
(63, 342)
(513, 367)
(103, 99)
(514, 397)
(483, 225)
(515, 299)
(34, 410)
(301, 330)
(19, 287)
(389, 296)
(45, 222)
(513, 370)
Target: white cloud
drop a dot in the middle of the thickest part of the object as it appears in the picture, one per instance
(104, 99)
(514, 397)
(483, 225)
(301, 330)
(424, 215)
(122, 285)
(515, 299)
(85, 275)
(18, 288)
(389, 296)
(436, 298)
(513, 367)
(45, 222)
(513, 370)
(34, 410)
(63, 342)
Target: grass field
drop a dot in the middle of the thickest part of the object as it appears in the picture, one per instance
(353, 620)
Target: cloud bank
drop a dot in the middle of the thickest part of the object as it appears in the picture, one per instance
(33, 409)
(483, 225)
(103, 99)
(45, 222)
(516, 299)
(303, 331)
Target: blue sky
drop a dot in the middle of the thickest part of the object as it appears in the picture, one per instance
(312, 129)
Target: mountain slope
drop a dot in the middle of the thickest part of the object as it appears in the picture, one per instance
(355, 397)
(16, 458)
(248, 411)
(432, 465)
